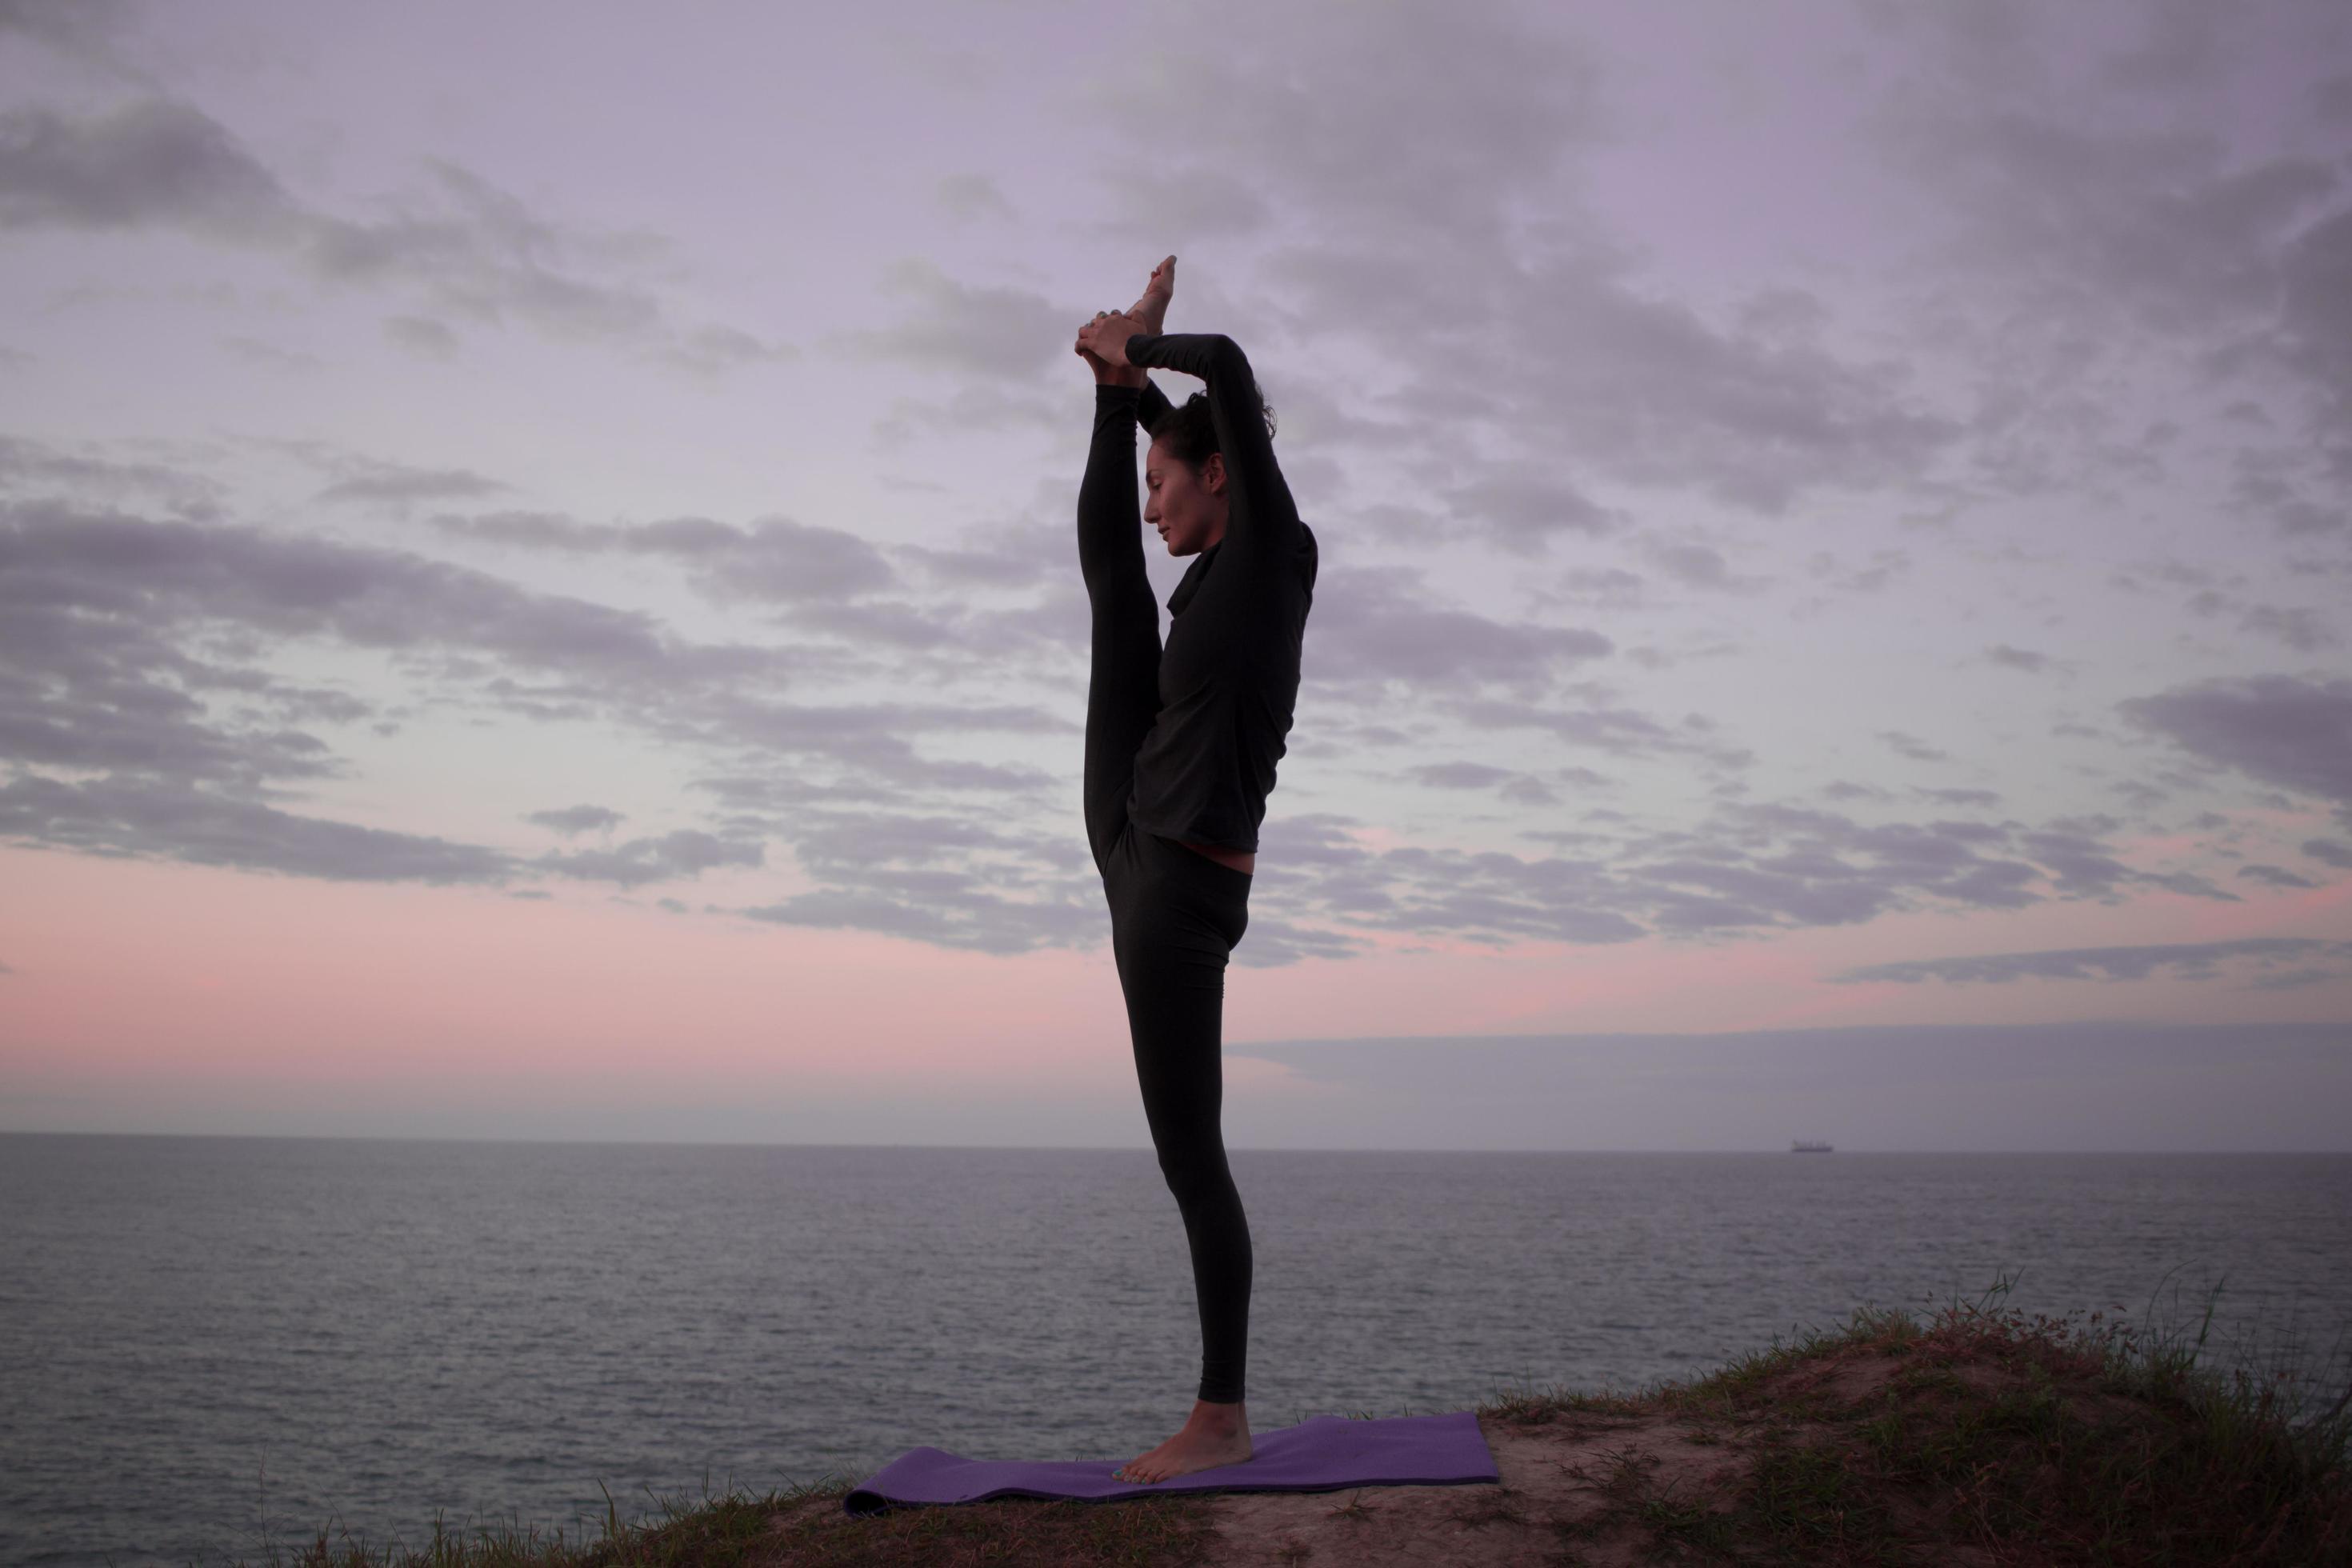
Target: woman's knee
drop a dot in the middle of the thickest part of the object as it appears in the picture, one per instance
(1194, 1167)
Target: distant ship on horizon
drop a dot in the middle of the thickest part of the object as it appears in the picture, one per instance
(1807, 1146)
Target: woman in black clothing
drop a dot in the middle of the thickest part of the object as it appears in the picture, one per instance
(1181, 745)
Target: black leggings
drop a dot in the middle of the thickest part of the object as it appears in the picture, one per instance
(1175, 914)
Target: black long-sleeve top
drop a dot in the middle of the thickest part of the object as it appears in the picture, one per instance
(1229, 672)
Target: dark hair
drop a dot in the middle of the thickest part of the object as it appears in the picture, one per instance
(1192, 434)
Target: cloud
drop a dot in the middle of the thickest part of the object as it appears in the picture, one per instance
(2331, 98)
(2201, 960)
(1700, 566)
(2276, 877)
(1209, 203)
(1381, 628)
(1417, 245)
(36, 467)
(2067, 233)
(2314, 278)
(2157, 221)
(151, 816)
(2282, 730)
(966, 196)
(112, 628)
(1521, 506)
(1336, 105)
(956, 880)
(2304, 628)
(706, 351)
(1749, 868)
(104, 610)
(483, 254)
(81, 28)
(422, 335)
(2021, 659)
(1018, 552)
(151, 162)
(2126, 241)
(985, 331)
(372, 480)
(526, 530)
(472, 249)
(260, 351)
(966, 914)
(683, 853)
(774, 559)
(2181, 49)
(571, 819)
(108, 618)
(1642, 389)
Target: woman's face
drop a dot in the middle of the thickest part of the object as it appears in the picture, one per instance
(1188, 508)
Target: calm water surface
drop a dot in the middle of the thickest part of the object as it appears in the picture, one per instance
(210, 1347)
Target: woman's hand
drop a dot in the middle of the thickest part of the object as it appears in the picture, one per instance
(1095, 362)
(1104, 338)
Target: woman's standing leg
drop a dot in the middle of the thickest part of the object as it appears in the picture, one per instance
(1172, 941)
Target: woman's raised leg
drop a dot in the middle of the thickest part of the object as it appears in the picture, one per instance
(1123, 687)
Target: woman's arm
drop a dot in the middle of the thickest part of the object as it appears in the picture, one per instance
(1266, 519)
(1153, 409)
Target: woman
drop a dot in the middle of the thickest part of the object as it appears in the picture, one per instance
(1180, 751)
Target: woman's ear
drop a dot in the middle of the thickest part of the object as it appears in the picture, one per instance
(1213, 474)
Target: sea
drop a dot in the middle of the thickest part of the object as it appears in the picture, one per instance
(217, 1350)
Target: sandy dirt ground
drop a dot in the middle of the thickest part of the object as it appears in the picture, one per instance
(1569, 1471)
(1571, 1492)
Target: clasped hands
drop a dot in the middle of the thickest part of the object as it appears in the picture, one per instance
(1104, 338)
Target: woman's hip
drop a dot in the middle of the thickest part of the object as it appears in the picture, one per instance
(1158, 887)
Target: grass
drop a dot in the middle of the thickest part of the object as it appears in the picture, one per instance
(2021, 1439)
(1981, 1435)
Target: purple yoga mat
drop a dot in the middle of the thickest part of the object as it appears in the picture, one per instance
(1321, 1454)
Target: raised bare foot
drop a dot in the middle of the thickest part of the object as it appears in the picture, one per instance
(1216, 1434)
(1151, 311)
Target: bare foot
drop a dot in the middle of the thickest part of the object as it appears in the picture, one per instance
(1216, 1434)
(1151, 311)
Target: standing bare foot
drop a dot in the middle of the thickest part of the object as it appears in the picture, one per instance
(1216, 1434)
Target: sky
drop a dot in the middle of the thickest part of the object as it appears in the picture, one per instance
(539, 594)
